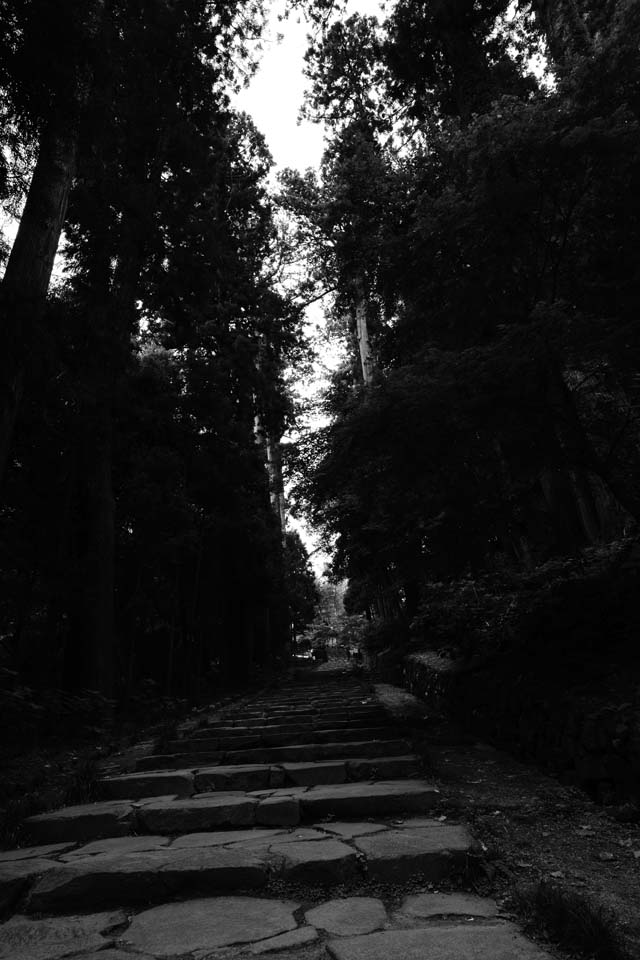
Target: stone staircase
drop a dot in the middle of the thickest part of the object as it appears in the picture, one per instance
(306, 790)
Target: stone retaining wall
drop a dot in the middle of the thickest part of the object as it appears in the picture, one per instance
(525, 707)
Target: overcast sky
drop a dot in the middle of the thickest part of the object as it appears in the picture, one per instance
(275, 94)
(274, 98)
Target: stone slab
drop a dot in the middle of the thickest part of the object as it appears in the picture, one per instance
(238, 777)
(220, 838)
(286, 941)
(278, 811)
(133, 786)
(313, 774)
(426, 905)
(24, 939)
(399, 854)
(176, 761)
(221, 731)
(193, 816)
(145, 877)
(304, 833)
(383, 768)
(116, 845)
(349, 917)
(311, 752)
(342, 750)
(33, 853)
(336, 735)
(316, 862)
(16, 876)
(464, 942)
(277, 777)
(200, 926)
(92, 821)
(360, 800)
(110, 954)
(350, 830)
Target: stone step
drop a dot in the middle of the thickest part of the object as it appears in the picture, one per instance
(177, 761)
(347, 928)
(320, 751)
(450, 942)
(184, 783)
(125, 872)
(238, 739)
(255, 718)
(242, 742)
(280, 807)
(306, 753)
(212, 730)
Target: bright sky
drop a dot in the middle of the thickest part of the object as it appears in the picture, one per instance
(274, 98)
(275, 94)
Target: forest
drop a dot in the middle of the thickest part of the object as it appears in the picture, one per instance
(474, 235)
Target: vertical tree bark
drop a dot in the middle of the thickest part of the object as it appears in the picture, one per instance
(273, 453)
(97, 587)
(364, 345)
(26, 280)
(28, 273)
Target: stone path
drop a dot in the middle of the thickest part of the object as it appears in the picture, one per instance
(300, 824)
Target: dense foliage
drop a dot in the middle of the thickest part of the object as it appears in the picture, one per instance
(489, 218)
(139, 538)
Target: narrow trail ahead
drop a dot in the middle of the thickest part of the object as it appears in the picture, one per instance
(300, 822)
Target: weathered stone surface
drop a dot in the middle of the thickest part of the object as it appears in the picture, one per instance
(191, 816)
(239, 777)
(383, 768)
(120, 845)
(175, 761)
(447, 904)
(199, 926)
(33, 853)
(400, 854)
(310, 752)
(321, 862)
(143, 877)
(90, 821)
(112, 955)
(223, 730)
(277, 777)
(337, 751)
(337, 735)
(310, 774)
(17, 875)
(349, 917)
(293, 729)
(278, 812)
(145, 801)
(296, 938)
(369, 799)
(303, 833)
(133, 786)
(464, 942)
(350, 830)
(279, 792)
(221, 837)
(25, 939)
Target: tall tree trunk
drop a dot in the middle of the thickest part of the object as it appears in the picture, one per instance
(364, 345)
(28, 273)
(26, 281)
(97, 588)
(273, 451)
